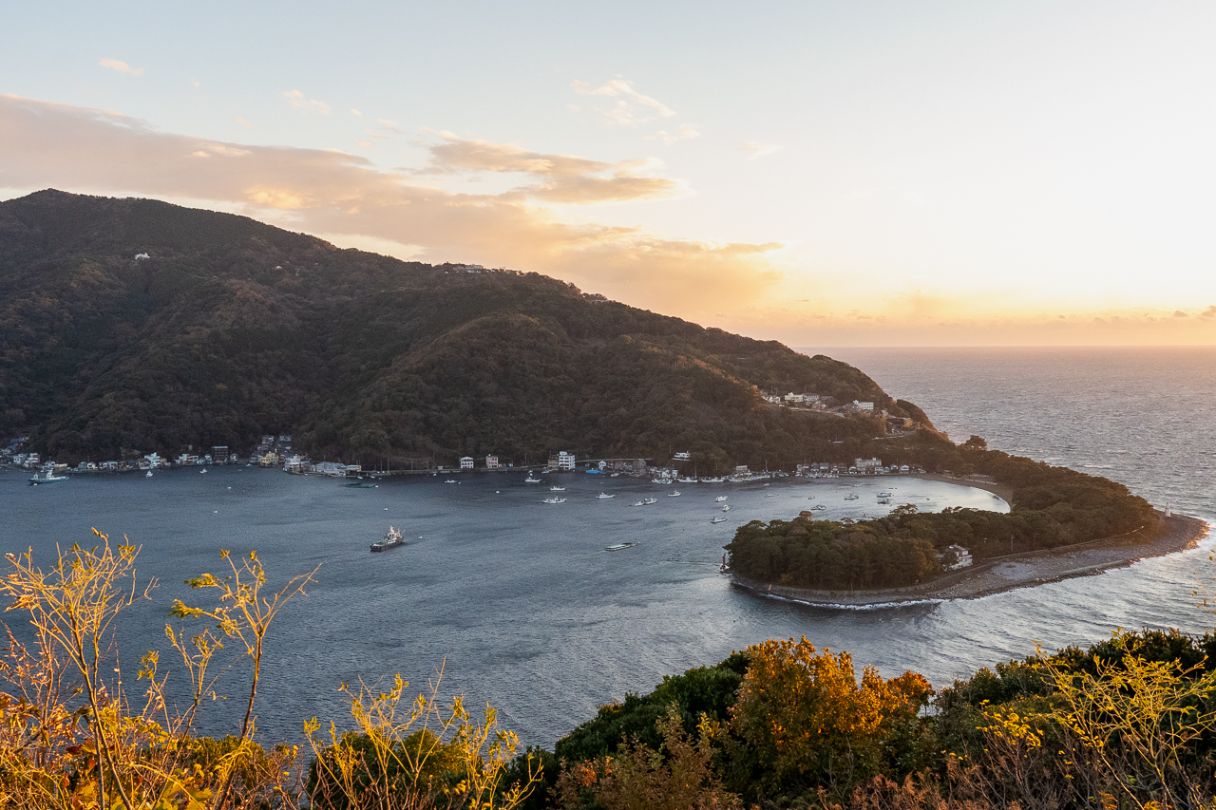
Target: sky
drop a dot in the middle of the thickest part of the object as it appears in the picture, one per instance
(822, 173)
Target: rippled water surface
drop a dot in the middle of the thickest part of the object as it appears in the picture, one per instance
(522, 604)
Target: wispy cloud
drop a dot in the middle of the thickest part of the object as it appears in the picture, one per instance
(300, 101)
(119, 66)
(343, 195)
(554, 178)
(625, 105)
(684, 132)
(757, 149)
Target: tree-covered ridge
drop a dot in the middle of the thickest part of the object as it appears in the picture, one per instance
(1129, 722)
(229, 329)
(1052, 507)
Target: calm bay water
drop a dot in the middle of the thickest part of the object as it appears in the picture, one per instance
(524, 608)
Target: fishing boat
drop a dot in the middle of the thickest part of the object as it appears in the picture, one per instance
(619, 546)
(148, 474)
(557, 489)
(554, 499)
(603, 496)
(638, 503)
(46, 475)
(451, 481)
(649, 501)
(675, 493)
(531, 479)
(852, 496)
(720, 498)
(818, 507)
(726, 507)
(717, 519)
(725, 566)
(392, 538)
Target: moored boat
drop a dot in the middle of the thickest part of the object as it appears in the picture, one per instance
(46, 475)
(554, 499)
(604, 496)
(619, 546)
(392, 538)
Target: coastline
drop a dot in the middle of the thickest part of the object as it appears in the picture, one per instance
(1173, 534)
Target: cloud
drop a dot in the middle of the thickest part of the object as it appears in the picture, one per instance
(1210, 312)
(119, 66)
(627, 107)
(242, 121)
(756, 149)
(302, 102)
(1180, 314)
(343, 195)
(556, 178)
(684, 132)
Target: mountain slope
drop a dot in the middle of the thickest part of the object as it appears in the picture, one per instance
(230, 328)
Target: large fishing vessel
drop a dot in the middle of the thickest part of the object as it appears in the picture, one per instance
(392, 538)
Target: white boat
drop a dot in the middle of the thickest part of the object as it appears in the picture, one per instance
(554, 499)
(720, 498)
(675, 493)
(852, 496)
(202, 472)
(638, 503)
(557, 489)
(603, 496)
(46, 475)
(619, 546)
(451, 481)
(726, 507)
(717, 519)
(884, 495)
(531, 480)
(818, 507)
(392, 538)
(649, 501)
(148, 474)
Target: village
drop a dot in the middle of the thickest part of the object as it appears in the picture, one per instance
(277, 451)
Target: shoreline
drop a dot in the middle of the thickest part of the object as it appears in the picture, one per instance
(1174, 534)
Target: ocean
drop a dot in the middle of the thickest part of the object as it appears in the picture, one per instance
(519, 603)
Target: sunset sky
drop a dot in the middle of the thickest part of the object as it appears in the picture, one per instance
(829, 174)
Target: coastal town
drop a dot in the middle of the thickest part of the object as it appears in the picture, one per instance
(277, 451)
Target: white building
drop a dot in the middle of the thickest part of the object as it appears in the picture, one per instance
(466, 462)
(867, 464)
(862, 407)
(683, 455)
(491, 462)
(565, 460)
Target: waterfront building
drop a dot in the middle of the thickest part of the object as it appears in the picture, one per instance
(219, 454)
(867, 464)
(466, 462)
(565, 460)
(491, 462)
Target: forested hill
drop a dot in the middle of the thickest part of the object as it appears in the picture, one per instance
(137, 325)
